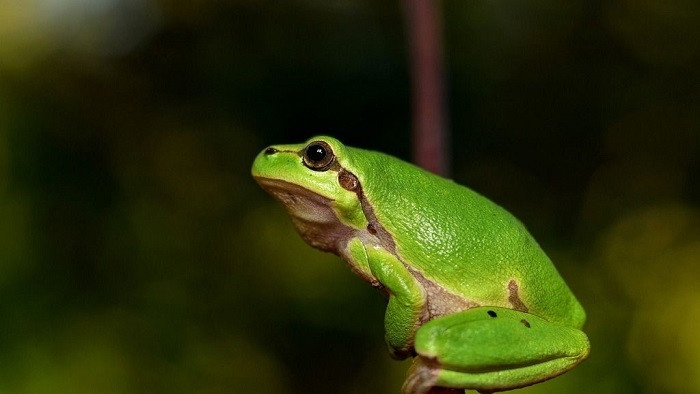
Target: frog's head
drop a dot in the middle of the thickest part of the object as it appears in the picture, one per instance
(316, 184)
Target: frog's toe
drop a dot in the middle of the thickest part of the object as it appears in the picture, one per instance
(422, 378)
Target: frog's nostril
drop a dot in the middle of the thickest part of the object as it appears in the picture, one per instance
(270, 151)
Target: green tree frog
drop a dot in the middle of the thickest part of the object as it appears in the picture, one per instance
(471, 295)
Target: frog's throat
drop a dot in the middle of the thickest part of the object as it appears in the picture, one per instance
(311, 214)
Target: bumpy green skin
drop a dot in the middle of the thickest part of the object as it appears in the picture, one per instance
(447, 258)
(462, 240)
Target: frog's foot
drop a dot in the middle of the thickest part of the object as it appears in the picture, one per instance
(492, 349)
(422, 379)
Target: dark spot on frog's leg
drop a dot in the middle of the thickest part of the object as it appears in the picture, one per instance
(514, 297)
(525, 323)
(371, 229)
(492, 313)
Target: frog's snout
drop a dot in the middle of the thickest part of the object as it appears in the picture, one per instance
(270, 150)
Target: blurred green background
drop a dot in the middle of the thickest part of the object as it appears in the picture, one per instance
(137, 254)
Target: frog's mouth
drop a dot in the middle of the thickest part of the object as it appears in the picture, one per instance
(311, 213)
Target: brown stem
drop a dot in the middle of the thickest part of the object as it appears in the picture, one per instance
(429, 112)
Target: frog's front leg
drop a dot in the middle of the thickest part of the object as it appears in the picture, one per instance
(492, 349)
(406, 296)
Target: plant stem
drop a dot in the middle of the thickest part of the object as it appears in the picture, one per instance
(430, 134)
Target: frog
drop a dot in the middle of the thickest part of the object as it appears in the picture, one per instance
(472, 297)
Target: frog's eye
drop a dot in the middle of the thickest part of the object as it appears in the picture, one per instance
(318, 156)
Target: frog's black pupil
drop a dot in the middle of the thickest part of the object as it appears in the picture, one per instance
(316, 153)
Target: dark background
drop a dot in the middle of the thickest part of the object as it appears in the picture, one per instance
(137, 254)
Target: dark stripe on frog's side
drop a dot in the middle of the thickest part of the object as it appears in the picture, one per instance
(439, 302)
(514, 297)
(350, 182)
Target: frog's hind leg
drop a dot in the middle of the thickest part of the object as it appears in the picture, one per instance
(492, 349)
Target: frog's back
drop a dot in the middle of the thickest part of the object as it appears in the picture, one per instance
(474, 248)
